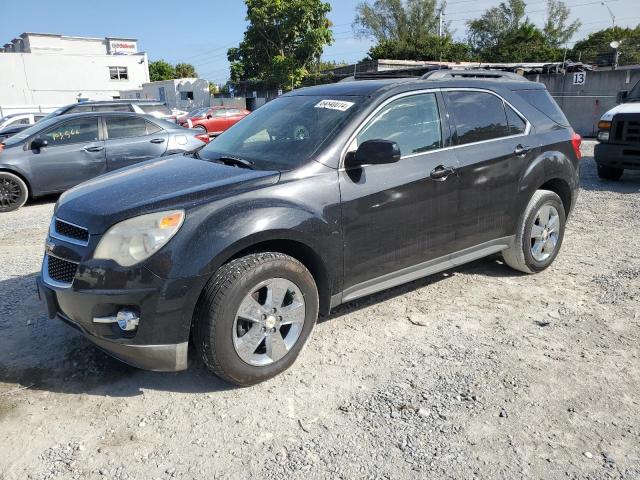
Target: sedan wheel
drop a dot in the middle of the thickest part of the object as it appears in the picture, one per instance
(13, 192)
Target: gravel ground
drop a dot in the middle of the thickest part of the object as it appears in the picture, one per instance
(478, 372)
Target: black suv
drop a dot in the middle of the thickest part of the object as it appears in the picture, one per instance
(322, 196)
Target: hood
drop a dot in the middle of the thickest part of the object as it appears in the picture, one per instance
(631, 107)
(176, 181)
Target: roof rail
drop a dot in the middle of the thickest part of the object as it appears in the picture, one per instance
(463, 74)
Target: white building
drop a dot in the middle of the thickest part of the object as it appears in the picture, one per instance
(52, 70)
(182, 93)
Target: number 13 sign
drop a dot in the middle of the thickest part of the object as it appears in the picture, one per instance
(579, 78)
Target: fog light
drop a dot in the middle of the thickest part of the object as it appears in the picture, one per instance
(603, 136)
(126, 320)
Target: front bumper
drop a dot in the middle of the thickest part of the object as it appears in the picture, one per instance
(618, 156)
(165, 308)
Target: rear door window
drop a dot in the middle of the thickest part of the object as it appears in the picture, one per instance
(413, 122)
(84, 129)
(477, 116)
(125, 127)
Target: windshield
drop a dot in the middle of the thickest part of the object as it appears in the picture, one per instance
(634, 94)
(55, 113)
(285, 133)
(27, 132)
(160, 108)
(198, 112)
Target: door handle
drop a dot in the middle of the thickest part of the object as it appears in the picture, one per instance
(441, 172)
(96, 148)
(157, 140)
(521, 149)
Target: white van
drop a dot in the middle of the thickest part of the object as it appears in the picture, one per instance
(619, 136)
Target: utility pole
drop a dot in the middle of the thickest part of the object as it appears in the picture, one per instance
(441, 27)
(613, 17)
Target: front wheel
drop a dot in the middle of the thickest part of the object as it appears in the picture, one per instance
(254, 316)
(539, 235)
(609, 173)
(13, 192)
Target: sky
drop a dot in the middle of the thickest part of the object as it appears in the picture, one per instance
(201, 32)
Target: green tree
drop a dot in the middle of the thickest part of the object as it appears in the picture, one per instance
(185, 70)
(556, 29)
(283, 39)
(161, 70)
(505, 34)
(408, 30)
(597, 43)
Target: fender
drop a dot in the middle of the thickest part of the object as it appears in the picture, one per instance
(6, 167)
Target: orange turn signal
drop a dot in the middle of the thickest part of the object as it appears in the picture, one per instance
(171, 221)
(1, 146)
(604, 125)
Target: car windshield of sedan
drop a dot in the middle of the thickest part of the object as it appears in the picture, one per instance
(27, 132)
(198, 112)
(285, 133)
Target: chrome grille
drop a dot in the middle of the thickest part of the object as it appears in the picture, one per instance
(61, 270)
(69, 230)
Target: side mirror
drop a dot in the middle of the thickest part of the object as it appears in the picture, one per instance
(38, 143)
(373, 152)
(622, 96)
(209, 116)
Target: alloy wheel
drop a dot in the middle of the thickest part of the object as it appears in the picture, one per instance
(10, 192)
(545, 232)
(269, 321)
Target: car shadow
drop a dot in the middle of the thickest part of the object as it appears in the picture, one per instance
(43, 354)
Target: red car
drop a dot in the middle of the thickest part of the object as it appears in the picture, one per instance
(213, 120)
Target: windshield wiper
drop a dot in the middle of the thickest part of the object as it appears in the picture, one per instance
(236, 162)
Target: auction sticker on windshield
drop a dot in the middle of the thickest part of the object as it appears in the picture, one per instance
(335, 105)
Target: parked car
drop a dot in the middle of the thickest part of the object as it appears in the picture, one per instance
(56, 154)
(16, 119)
(150, 107)
(619, 137)
(213, 120)
(322, 196)
(11, 131)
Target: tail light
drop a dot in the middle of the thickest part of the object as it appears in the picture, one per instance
(576, 141)
(203, 137)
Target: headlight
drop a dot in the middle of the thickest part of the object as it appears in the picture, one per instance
(136, 239)
(603, 136)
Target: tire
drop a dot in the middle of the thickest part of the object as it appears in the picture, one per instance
(537, 244)
(220, 328)
(13, 192)
(609, 173)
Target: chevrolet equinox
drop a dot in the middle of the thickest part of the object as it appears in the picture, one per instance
(322, 196)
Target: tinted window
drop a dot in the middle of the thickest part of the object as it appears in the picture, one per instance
(19, 121)
(543, 102)
(478, 116)
(125, 127)
(516, 124)
(412, 122)
(74, 131)
(112, 108)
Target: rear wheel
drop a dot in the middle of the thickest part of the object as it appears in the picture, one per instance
(13, 192)
(609, 173)
(254, 317)
(540, 234)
